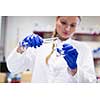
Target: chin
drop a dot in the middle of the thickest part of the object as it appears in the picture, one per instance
(66, 36)
(63, 38)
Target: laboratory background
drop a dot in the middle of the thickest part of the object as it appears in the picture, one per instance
(14, 28)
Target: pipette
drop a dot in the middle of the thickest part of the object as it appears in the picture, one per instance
(21, 48)
(60, 51)
(48, 40)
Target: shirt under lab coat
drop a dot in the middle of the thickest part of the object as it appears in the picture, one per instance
(56, 69)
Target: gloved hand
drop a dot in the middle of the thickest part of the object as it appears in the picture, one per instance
(32, 40)
(70, 55)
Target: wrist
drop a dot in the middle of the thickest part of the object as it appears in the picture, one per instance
(20, 49)
(72, 71)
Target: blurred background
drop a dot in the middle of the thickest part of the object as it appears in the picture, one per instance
(15, 28)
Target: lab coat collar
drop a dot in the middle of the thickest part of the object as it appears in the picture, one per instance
(68, 41)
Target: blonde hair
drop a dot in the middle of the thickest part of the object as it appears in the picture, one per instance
(53, 46)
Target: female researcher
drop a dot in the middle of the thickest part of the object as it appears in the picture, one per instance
(61, 60)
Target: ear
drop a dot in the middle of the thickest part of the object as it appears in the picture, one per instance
(57, 18)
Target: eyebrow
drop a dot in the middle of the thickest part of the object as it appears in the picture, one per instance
(74, 23)
(67, 22)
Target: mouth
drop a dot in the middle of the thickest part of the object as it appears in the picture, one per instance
(65, 33)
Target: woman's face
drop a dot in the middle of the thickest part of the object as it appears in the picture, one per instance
(66, 26)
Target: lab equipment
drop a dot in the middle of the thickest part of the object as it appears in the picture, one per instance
(12, 78)
(96, 53)
(32, 40)
(48, 40)
(60, 51)
(69, 54)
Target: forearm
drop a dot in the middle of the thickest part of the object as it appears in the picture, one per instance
(16, 61)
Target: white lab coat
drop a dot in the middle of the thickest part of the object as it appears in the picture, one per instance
(56, 70)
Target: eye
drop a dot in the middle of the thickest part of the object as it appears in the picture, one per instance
(62, 22)
(73, 25)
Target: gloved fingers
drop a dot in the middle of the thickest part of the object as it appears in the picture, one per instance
(69, 49)
(64, 45)
(33, 42)
(36, 41)
(25, 44)
(72, 51)
(68, 60)
(71, 61)
(60, 51)
(72, 58)
(66, 48)
(40, 40)
(26, 39)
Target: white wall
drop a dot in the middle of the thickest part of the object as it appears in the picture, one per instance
(90, 24)
(0, 41)
(2, 37)
(0, 27)
(18, 27)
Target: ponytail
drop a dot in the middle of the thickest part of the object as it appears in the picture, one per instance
(53, 46)
(48, 57)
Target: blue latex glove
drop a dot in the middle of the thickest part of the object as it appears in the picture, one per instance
(32, 40)
(70, 55)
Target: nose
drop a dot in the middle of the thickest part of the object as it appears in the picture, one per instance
(67, 28)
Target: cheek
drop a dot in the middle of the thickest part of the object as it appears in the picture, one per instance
(72, 30)
(59, 27)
